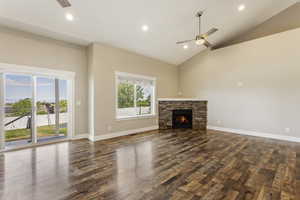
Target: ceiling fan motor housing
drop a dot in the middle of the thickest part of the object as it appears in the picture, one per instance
(199, 14)
(199, 37)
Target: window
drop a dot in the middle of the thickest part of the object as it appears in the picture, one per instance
(135, 95)
(38, 105)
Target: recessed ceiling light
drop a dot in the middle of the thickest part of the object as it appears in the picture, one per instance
(241, 7)
(185, 46)
(69, 17)
(145, 28)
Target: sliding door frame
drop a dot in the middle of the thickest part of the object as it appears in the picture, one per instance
(2, 111)
(33, 111)
(35, 72)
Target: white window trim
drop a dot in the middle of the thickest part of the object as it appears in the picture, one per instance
(153, 98)
(37, 71)
(40, 72)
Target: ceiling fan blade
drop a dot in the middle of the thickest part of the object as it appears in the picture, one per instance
(64, 3)
(207, 44)
(211, 31)
(185, 41)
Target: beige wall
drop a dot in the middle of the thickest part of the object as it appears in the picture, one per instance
(250, 86)
(104, 61)
(27, 49)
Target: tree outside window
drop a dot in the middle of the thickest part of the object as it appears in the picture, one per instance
(134, 97)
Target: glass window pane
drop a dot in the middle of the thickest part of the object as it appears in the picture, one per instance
(135, 96)
(45, 97)
(143, 99)
(51, 123)
(18, 105)
(125, 100)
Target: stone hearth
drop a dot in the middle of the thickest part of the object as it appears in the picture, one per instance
(166, 107)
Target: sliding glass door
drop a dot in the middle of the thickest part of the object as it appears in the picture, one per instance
(45, 104)
(36, 109)
(18, 110)
(51, 104)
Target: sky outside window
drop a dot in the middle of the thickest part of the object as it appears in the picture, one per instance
(20, 87)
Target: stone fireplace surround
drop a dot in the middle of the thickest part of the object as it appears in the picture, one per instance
(166, 107)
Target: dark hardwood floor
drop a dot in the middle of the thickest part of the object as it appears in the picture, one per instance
(157, 165)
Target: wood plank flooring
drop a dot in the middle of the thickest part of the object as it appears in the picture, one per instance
(181, 165)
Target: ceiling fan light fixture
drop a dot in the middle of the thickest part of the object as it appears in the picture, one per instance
(185, 46)
(201, 38)
(200, 42)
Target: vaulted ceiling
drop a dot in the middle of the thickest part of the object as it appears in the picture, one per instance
(118, 23)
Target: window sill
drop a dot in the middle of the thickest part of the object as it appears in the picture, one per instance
(135, 117)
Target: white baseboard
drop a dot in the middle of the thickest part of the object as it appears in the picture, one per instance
(257, 134)
(81, 136)
(122, 133)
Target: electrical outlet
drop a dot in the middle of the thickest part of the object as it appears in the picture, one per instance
(109, 128)
(219, 122)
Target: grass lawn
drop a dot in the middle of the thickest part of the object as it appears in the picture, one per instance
(42, 131)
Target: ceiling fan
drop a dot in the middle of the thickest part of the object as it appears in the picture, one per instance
(64, 3)
(201, 39)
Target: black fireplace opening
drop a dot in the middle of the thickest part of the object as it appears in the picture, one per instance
(182, 118)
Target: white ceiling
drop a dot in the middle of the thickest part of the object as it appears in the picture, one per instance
(118, 22)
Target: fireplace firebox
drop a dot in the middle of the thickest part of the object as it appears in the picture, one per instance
(182, 118)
